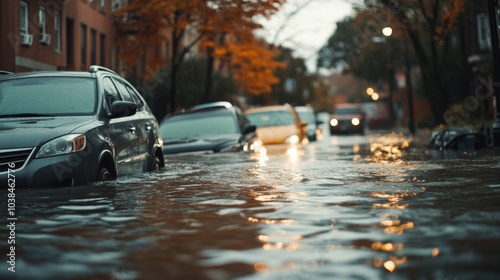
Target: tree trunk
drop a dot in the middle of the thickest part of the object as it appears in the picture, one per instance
(209, 76)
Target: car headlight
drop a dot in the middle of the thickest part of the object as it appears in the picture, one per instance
(334, 122)
(63, 145)
(355, 121)
(294, 139)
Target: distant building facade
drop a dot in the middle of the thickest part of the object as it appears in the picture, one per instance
(65, 35)
(475, 39)
(55, 34)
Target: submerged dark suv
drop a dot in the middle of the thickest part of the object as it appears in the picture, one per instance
(71, 128)
(209, 128)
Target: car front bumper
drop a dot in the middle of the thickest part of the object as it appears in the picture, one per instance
(56, 171)
(346, 127)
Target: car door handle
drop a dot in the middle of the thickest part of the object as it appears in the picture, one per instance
(148, 127)
(131, 129)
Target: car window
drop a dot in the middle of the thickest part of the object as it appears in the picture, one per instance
(307, 115)
(271, 118)
(123, 90)
(110, 92)
(198, 124)
(346, 111)
(136, 97)
(242, 118)
(48, 96)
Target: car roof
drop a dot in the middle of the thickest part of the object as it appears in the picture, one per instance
(46, 74)
(93, 69)
(268, 108)
(304, 108)
(212, 105)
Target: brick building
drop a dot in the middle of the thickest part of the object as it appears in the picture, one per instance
(56, 34)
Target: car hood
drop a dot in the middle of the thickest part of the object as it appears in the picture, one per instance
(31, 132)
(199, 144)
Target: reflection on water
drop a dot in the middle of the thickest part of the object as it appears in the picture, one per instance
(346, 207)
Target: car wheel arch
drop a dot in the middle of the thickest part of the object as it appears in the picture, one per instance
(107, 161)
(157, 154)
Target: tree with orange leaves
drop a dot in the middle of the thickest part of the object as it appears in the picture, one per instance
(148, 22)
(253, 65)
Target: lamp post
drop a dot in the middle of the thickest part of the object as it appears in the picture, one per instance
(387, 31)
(409, 89)
(495, 128)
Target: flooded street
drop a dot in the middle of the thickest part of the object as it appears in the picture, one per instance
(377, 206)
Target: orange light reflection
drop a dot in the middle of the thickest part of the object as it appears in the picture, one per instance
(395, 199)
(268, 221)
(390, 266)
(386, 247)
(435, 252)
(399, 229)
(260, 267)
(388, 148)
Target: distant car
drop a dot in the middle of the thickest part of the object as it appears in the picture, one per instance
(309, 115)
(347, 118)
(278, 124)
(62, 128)
(212, 127)
(377, 115)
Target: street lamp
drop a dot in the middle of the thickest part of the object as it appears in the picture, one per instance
(387, 31)
(409, 90)
(495, 128)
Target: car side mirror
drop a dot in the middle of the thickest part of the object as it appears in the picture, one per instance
(249, 128)
(120, 109)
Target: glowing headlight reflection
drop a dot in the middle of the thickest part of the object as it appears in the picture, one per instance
(355, 121)
(294, 139)
(334, 122)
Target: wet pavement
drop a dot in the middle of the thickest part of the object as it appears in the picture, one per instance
(377, 206)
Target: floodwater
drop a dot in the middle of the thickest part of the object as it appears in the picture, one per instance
(378, 206)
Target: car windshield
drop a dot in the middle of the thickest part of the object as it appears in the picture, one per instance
(50, 96)
(346, 111)
(271, 118)
(199, 124)
(306, 115)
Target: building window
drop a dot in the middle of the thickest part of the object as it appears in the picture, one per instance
(483, 32)
(103, 50)
(41, 20)
(83, 47)
(57, 30)
(24, 18)
(93, 43)
(116, 5)
(102, 5)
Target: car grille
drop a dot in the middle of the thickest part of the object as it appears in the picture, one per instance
(18, 157)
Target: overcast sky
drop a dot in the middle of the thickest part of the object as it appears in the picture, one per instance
(306, 31)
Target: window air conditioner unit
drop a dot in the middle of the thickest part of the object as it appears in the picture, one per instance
(26, 39)
(45, 39)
